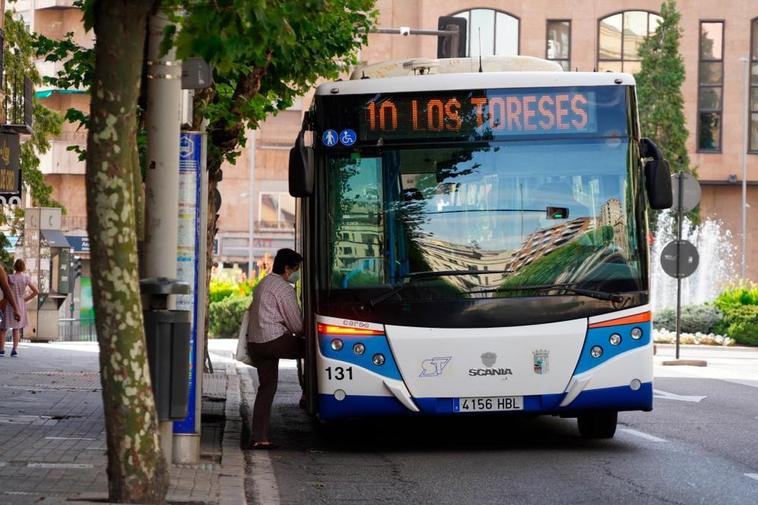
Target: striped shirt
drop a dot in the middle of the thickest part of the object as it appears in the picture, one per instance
(274, 310)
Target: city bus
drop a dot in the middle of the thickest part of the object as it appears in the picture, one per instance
(475, 242)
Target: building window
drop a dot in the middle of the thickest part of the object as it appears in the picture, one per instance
(494, 31)
(619, 38)
(276, 211)
(558, 47)
(754, 86)
(711, 85)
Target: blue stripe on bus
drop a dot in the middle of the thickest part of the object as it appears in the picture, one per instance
(600, 336)
(615, 398)
(375, 344)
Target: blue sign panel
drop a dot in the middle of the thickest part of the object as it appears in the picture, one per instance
(348, 137)
(187, 254)
(329, 138)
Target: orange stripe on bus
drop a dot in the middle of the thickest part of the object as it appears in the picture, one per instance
(644, 317)
(330, 329)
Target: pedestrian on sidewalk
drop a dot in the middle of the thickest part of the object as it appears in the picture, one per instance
(275, 331)
(15, 311)
(8, 300)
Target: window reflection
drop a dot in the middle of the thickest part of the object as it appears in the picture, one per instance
(620, 37)
(495, 32)
(754, 88)
(559, 42)
(276, 211)
(505, 211)
(710, 90)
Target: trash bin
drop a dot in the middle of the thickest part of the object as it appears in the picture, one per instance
(168, 346)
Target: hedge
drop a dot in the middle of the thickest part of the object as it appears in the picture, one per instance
(225, 316)
(695, 318)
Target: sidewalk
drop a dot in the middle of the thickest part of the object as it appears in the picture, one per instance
(52, 431)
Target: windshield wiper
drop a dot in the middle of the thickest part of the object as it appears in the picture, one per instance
(408, 279)
(600, 295)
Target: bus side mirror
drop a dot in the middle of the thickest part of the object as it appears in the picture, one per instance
(300, 170)
(657, 176)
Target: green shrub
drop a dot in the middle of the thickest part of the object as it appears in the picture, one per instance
(695, 318)
(741, 323)
(220, 289)
(745, 293)
(225, 316)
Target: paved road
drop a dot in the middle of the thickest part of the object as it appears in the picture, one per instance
(699, 445)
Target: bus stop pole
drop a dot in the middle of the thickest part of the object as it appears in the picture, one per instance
(680, 216)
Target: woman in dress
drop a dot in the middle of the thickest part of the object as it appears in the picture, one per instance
(16, 319)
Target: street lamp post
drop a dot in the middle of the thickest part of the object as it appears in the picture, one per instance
(745, 138)
(251, 201)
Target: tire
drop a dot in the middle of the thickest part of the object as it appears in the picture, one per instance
(597, 425)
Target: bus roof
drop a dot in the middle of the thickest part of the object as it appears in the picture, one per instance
(473, 80)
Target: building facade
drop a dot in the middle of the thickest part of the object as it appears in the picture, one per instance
(719, 45)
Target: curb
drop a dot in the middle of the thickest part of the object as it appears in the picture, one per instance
(232, 482)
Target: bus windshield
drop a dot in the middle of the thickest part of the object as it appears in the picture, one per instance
(514, 214)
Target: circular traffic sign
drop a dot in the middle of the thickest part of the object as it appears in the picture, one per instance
(690, 191)
(679, 258)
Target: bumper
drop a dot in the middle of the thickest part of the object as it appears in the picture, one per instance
(614, 398)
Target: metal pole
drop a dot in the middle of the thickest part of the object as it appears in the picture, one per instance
(745, 122)
(164, 75)
(680, 216)
(414, 31)
(251, 201)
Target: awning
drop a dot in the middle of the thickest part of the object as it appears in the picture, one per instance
(55, 238)
(47, 93)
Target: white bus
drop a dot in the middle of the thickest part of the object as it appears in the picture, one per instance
(476, 242)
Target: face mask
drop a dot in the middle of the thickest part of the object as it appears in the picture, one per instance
(294, 277)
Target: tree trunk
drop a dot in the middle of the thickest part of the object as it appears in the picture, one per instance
(137, 471)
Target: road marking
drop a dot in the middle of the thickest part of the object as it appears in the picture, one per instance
(752, 475)
(636, 433)
(58, 465)
(665, 395)
(265, 487)
(71, 438)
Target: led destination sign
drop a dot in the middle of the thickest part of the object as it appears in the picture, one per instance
(480, 114)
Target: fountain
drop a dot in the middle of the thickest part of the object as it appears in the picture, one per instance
(715, 270)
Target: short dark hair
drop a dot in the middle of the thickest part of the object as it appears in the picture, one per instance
(286, 258)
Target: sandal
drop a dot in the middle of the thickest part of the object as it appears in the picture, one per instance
(263, 446)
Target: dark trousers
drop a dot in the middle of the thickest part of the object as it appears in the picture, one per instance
(266, 357)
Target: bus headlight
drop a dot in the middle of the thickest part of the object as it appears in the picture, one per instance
(359, 348)
(336, 344)
(378, 359)
(614, 339)
(596, 351)
(636, 333)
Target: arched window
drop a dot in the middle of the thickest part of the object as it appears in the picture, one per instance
(498, 32)
(619, 39)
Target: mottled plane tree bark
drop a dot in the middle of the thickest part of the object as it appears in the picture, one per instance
(137, 471)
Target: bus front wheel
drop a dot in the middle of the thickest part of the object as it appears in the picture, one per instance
(598, 424)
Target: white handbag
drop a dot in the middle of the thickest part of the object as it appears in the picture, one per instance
(242, 354)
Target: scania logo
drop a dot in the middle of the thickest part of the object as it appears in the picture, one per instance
(473, 372)
(488, 359)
